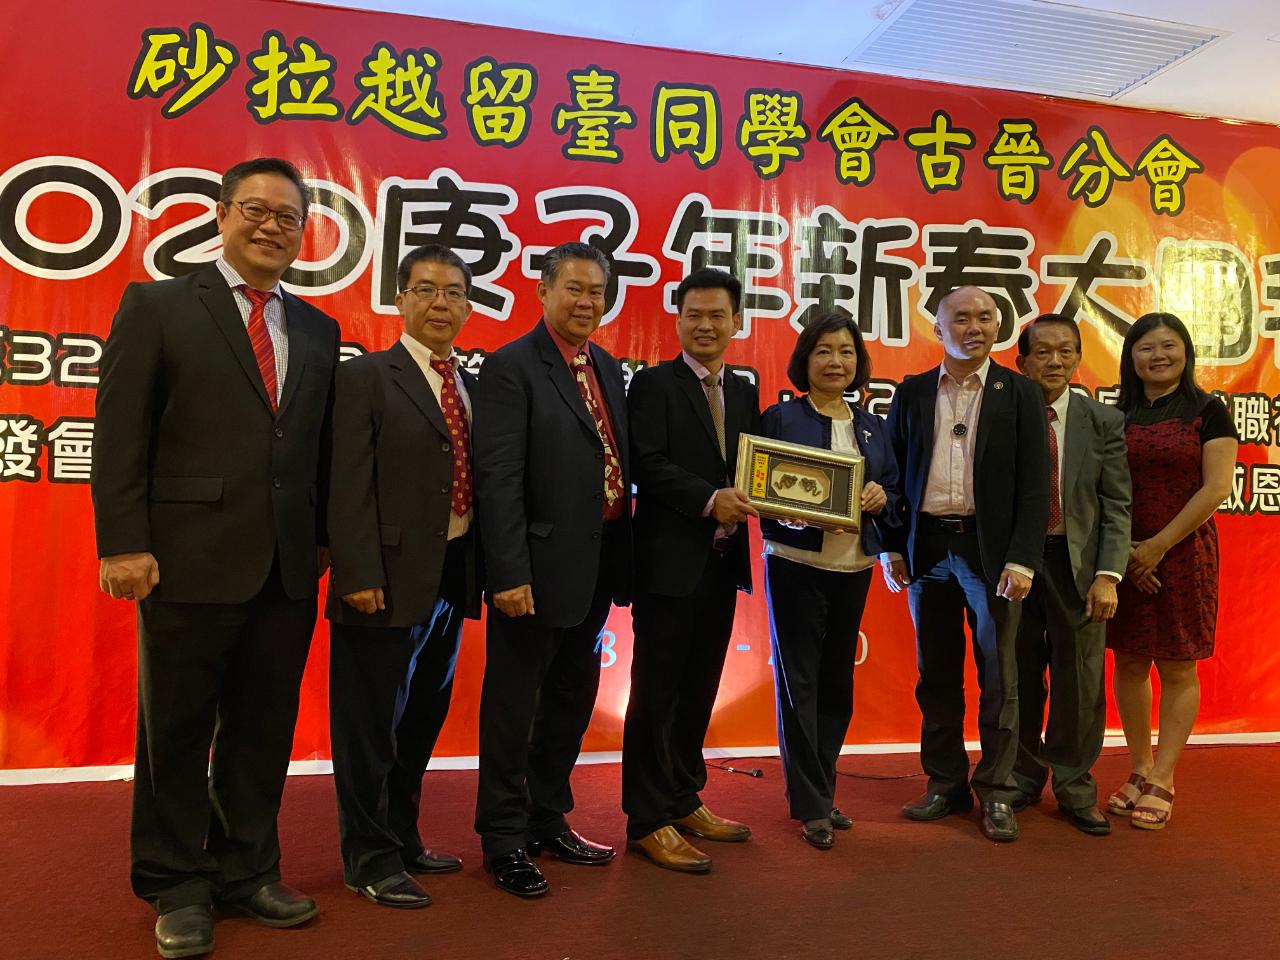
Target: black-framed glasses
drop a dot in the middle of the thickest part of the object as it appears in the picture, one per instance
(256, 212)
(452, 295)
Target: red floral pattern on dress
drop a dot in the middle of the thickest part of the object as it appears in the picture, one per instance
(1178, 622)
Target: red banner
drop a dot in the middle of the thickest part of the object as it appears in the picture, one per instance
(821, 189)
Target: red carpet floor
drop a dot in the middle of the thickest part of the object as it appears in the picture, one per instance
(1207, 887)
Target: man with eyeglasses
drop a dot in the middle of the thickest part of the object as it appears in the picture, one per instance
(210, 465)
(401, 528)
(553, 478)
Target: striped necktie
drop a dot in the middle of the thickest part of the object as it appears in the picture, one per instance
(260, 340)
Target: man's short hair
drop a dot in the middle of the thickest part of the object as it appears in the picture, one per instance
(250, 168)
(554, 259)
(431, 253)
(1024, 338)
(807, 342)
(709, 278)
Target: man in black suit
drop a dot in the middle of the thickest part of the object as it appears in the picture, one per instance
(970, 441)
(210, 460)
(553, 478)
(404, 575)
(692, 558)
(1086, 549)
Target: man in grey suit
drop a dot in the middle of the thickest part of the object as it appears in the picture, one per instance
(1086, 548)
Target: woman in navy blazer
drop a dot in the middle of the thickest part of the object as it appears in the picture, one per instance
(816, 580)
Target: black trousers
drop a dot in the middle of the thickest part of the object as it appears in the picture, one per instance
(389, 691)
(217, 703)
(539, 689)
(677, 657)
(1055, 633)
(814, 617)
(950, 589)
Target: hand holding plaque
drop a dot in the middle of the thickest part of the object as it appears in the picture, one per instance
(799, 484)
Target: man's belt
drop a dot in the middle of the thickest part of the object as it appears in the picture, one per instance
(957, 523)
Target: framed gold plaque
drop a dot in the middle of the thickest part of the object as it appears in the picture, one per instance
(789, 481)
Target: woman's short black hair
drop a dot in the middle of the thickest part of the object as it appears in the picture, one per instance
(1131, 390)
(807, 342)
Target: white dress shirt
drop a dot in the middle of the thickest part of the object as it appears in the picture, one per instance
(423, 357)
(272, 312)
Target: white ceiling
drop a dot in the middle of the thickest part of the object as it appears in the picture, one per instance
(1233, 77)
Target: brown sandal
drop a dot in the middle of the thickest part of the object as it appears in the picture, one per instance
(1152, 818)
(1119, 804)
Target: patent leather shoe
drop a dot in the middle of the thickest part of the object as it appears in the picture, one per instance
(572, 847)
(840, 820)
(277, 905)
(515, 873)
(935, 806)
(399, 890)
(430, 861)
(998, 822)
(185, 932)
(819, 833)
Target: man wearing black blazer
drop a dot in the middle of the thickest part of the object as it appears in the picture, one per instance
(692, 558)
(210, 463)
(401, 522)
(1086, 550)
(970, 440)
(554, 482)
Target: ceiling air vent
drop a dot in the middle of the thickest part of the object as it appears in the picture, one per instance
(1027, 45)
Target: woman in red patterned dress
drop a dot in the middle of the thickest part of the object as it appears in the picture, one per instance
(1182, 454)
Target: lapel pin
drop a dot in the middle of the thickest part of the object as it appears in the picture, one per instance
(866, 436)
(999, 384)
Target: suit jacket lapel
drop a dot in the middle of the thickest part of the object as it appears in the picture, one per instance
(409, 377)
(297, 334)
(993, 402)
(615, 398)
(926, 405)
(736, 417)
(562, 379)
(691, 387)
(1077, 436)
(221, 304)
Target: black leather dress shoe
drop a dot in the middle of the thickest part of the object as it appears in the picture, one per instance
(839, 820)
(1024, 800)
(935, 806)
(398, 890)
(572, 847)
(999, 823)
(429, 861)
(185, 932)
(1089, 820)
(277, 905)
(820, 835)
(515, 873)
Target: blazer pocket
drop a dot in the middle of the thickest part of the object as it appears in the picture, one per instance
(186, 489)
(540, 529)
(390, 534)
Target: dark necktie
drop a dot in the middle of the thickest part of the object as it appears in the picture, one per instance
(260, 340)
(612, 466)
(1055, 484)
(455, 421)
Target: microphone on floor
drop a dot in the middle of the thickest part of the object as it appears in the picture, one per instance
(752, 772)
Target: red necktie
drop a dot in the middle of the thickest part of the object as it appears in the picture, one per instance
(612, 466)
(260, 340)
(1055, 486)
(455, 420)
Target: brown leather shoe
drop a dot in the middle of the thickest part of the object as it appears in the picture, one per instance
(706, 825)
(668, 849)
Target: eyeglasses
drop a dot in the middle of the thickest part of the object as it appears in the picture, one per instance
(255, 212)
(452, 295)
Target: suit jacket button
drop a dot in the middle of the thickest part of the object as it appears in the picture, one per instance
(279, 433)
(275, 482)
(600, 456)
(440, 534)
(444, 448)
(596, 535)
(445, 488)
(599, 496)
